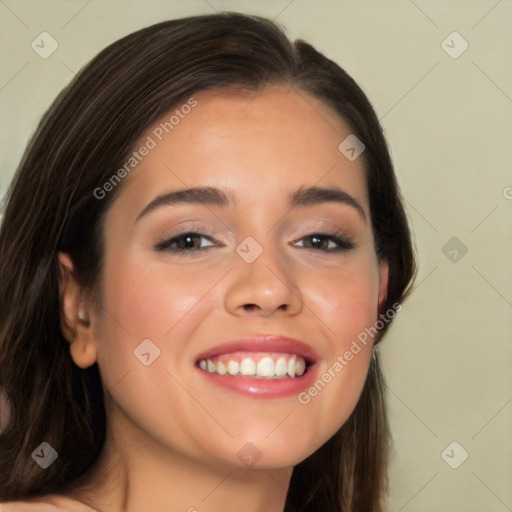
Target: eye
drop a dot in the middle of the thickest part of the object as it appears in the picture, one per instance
(188, 242)
(326, 242)
(194, 241)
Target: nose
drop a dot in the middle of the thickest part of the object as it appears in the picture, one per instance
(264, 287)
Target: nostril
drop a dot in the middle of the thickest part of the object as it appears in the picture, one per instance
(251, 307)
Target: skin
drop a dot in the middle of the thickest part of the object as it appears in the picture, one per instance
(173, 438)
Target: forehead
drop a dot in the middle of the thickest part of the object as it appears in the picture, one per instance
(259, 144)
(279, 119)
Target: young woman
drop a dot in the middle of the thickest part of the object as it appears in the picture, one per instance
(201, 248)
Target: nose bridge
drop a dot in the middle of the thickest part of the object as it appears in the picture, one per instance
(265, 261)
(261, 280)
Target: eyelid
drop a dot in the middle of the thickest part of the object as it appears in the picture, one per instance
(344, 242)
(163, 243)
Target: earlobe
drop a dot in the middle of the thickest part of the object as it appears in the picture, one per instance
(83, 353)
(75, 315)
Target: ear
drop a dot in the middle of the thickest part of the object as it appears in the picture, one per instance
(383, 283)
(75, 315)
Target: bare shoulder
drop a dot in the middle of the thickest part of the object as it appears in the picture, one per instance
(50, 503)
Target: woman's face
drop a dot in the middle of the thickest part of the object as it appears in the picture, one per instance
(279, 247)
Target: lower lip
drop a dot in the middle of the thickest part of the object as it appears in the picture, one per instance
(263, 388)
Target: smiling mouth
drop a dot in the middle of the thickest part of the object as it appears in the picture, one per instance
(256, 365)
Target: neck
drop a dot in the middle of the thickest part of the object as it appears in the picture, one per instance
(134, 472)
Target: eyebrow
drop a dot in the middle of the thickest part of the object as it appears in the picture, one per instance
(303, 196)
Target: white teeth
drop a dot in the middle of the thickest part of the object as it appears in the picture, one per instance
(248, 367)
(268, 367)
(233, 368)
(265, 367)
(221, 368)
(281, 368)
(300, 366)
(291, 366)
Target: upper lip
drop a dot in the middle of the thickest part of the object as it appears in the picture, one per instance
(263, 343)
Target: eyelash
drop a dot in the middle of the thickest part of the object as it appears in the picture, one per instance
(343, 243)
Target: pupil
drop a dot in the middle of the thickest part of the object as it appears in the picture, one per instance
(316, 241)
(189, 241)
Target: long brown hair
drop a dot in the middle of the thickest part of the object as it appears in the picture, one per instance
(88, 133)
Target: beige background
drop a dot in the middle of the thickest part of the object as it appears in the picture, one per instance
(448, 357)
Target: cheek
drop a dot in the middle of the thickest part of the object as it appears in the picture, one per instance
(348, 308)
(149, 299)
(345, 300)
